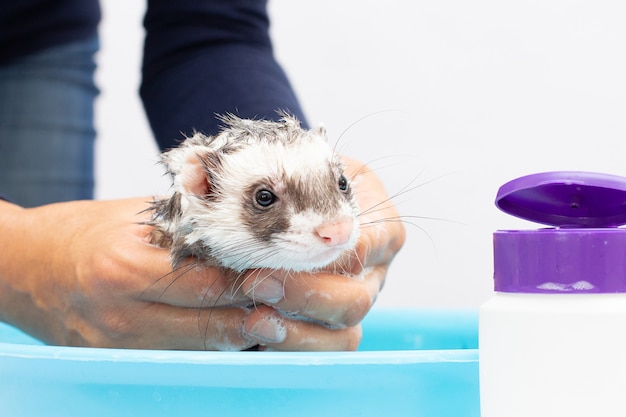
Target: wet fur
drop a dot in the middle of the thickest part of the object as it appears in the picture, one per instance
(183, 221)
(212, 214)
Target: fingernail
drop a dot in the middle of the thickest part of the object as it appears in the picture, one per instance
(268, 290)
(268, 330)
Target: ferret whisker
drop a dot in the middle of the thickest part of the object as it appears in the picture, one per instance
(392, 199)
(238, 283)
(176, 272)
(258, 280)
(370, 167)
(400, 219)
(355, 255)
(204, 336)
(437, 219)
(218, 211)
(363, 169)
(380, 206)
(403, 219)
(359, 120)
(204, 333)
(251, 257)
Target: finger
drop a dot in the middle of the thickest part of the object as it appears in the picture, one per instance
(374, 248)
(161, 326)
(382, 234)
(194, 285)
(334, 299)
(274, 331)
(204, 329)
(145, 272)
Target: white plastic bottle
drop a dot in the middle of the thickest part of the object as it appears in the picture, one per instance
(552, 339)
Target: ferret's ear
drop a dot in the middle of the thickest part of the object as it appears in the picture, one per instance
(197, 173)
(191, 168)
(193, 178)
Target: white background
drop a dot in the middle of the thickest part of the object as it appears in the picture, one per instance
(465, 96)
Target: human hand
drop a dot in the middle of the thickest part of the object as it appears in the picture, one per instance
(335, 302)
(83, 273)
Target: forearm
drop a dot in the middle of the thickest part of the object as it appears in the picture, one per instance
(203, 58)
(7, 290)
(16, 264)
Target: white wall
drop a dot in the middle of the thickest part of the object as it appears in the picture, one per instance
(463, 95)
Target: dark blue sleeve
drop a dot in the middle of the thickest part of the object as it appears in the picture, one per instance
(203, 58)
(28, 26)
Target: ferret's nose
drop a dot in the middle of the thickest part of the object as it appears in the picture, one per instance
(335, 233)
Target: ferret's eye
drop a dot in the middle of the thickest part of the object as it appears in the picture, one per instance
(265, 198)
(343, 183)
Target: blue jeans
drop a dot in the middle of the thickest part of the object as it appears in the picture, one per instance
(46, 125)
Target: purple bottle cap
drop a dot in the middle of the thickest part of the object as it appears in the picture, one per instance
(566, 199)
(585, 252)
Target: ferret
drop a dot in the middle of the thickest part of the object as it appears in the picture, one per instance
(259, 194)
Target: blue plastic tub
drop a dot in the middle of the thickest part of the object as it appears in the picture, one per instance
(410, 363)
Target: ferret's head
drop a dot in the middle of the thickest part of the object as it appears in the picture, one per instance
(261, 194)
